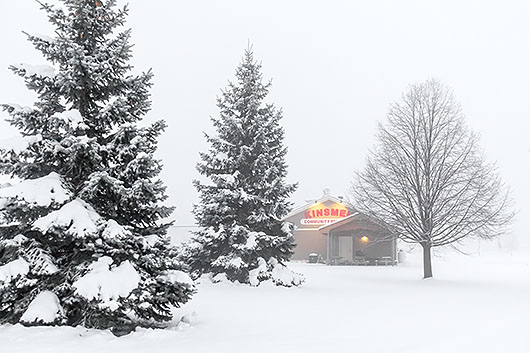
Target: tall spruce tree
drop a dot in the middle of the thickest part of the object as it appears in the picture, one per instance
(241, 233)
(83, 233)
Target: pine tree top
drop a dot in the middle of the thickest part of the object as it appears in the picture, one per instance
(246, 159)
(242, 234)
(83, 125)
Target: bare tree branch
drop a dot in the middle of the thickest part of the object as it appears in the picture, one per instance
(427, 178)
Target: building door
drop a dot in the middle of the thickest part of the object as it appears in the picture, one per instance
(346, 249)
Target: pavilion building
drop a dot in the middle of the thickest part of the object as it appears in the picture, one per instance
(331, 230)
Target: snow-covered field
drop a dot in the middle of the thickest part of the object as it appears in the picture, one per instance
(474, 304)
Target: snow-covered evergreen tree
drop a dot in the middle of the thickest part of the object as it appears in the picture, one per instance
(242, 235)
(83, 238)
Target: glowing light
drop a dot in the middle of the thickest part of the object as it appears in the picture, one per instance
(364, 239)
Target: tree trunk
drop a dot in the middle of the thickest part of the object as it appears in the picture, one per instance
(427, 265)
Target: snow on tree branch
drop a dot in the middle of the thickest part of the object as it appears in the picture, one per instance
(44, 308)
(13, 269)
(35, 70)
(77, 217)
(41, 191)
(107, 283)
(17, 144)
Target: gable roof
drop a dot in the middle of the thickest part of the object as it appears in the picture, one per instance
(357, 214)
(330, 226)
(324, 198)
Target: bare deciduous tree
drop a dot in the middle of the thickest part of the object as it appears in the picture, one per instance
(427, 178)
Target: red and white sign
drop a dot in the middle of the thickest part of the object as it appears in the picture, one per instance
(327, 212)
(320, 215)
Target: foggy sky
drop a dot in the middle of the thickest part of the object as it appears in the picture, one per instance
(336, 66)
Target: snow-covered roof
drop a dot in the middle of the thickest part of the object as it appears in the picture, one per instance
(324, 198)
(330, 226)
(338, 222)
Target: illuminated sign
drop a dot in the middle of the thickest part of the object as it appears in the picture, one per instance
(320, 214)
(327, 212)
(317, 221)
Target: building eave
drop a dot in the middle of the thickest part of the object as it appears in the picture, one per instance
(330, 226)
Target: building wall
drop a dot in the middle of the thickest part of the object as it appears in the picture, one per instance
(308, 242)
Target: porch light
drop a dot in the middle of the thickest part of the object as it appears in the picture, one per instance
(364, 239)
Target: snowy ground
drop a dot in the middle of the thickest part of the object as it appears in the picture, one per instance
(475, 304)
